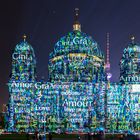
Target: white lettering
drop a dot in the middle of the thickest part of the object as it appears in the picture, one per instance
(21, 85)
(77, 103)
(75, 41)
(21, 57)
(131, 78)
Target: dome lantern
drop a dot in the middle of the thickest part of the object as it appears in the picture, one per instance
(76, 25)
(133, 39)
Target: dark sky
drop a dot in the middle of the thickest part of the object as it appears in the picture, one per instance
(45, 21)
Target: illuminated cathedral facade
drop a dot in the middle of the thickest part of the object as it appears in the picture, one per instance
(78, 96)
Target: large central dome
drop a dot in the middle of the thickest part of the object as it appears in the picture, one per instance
(76, 57)
(76, 42)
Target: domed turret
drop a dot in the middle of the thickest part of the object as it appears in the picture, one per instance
(130, 63)
(23, 62)
(76, 57)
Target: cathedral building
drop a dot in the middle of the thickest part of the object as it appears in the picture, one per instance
(78, 96)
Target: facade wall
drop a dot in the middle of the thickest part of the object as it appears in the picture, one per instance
(32, 105)
(77, 96)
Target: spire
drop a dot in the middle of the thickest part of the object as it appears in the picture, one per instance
(107, 53)
(24, 37)
(76, 25)
(76, 15)
(132, 39)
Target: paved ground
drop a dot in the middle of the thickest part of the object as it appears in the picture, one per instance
(71, 137)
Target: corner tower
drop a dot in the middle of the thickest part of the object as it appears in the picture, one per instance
(23, 62)
(76, 57)
(20, 85)
(130, 63)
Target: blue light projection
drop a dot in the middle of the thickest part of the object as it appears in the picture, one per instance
(77, 97)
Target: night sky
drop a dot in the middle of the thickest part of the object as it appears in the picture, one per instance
(45, 21)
